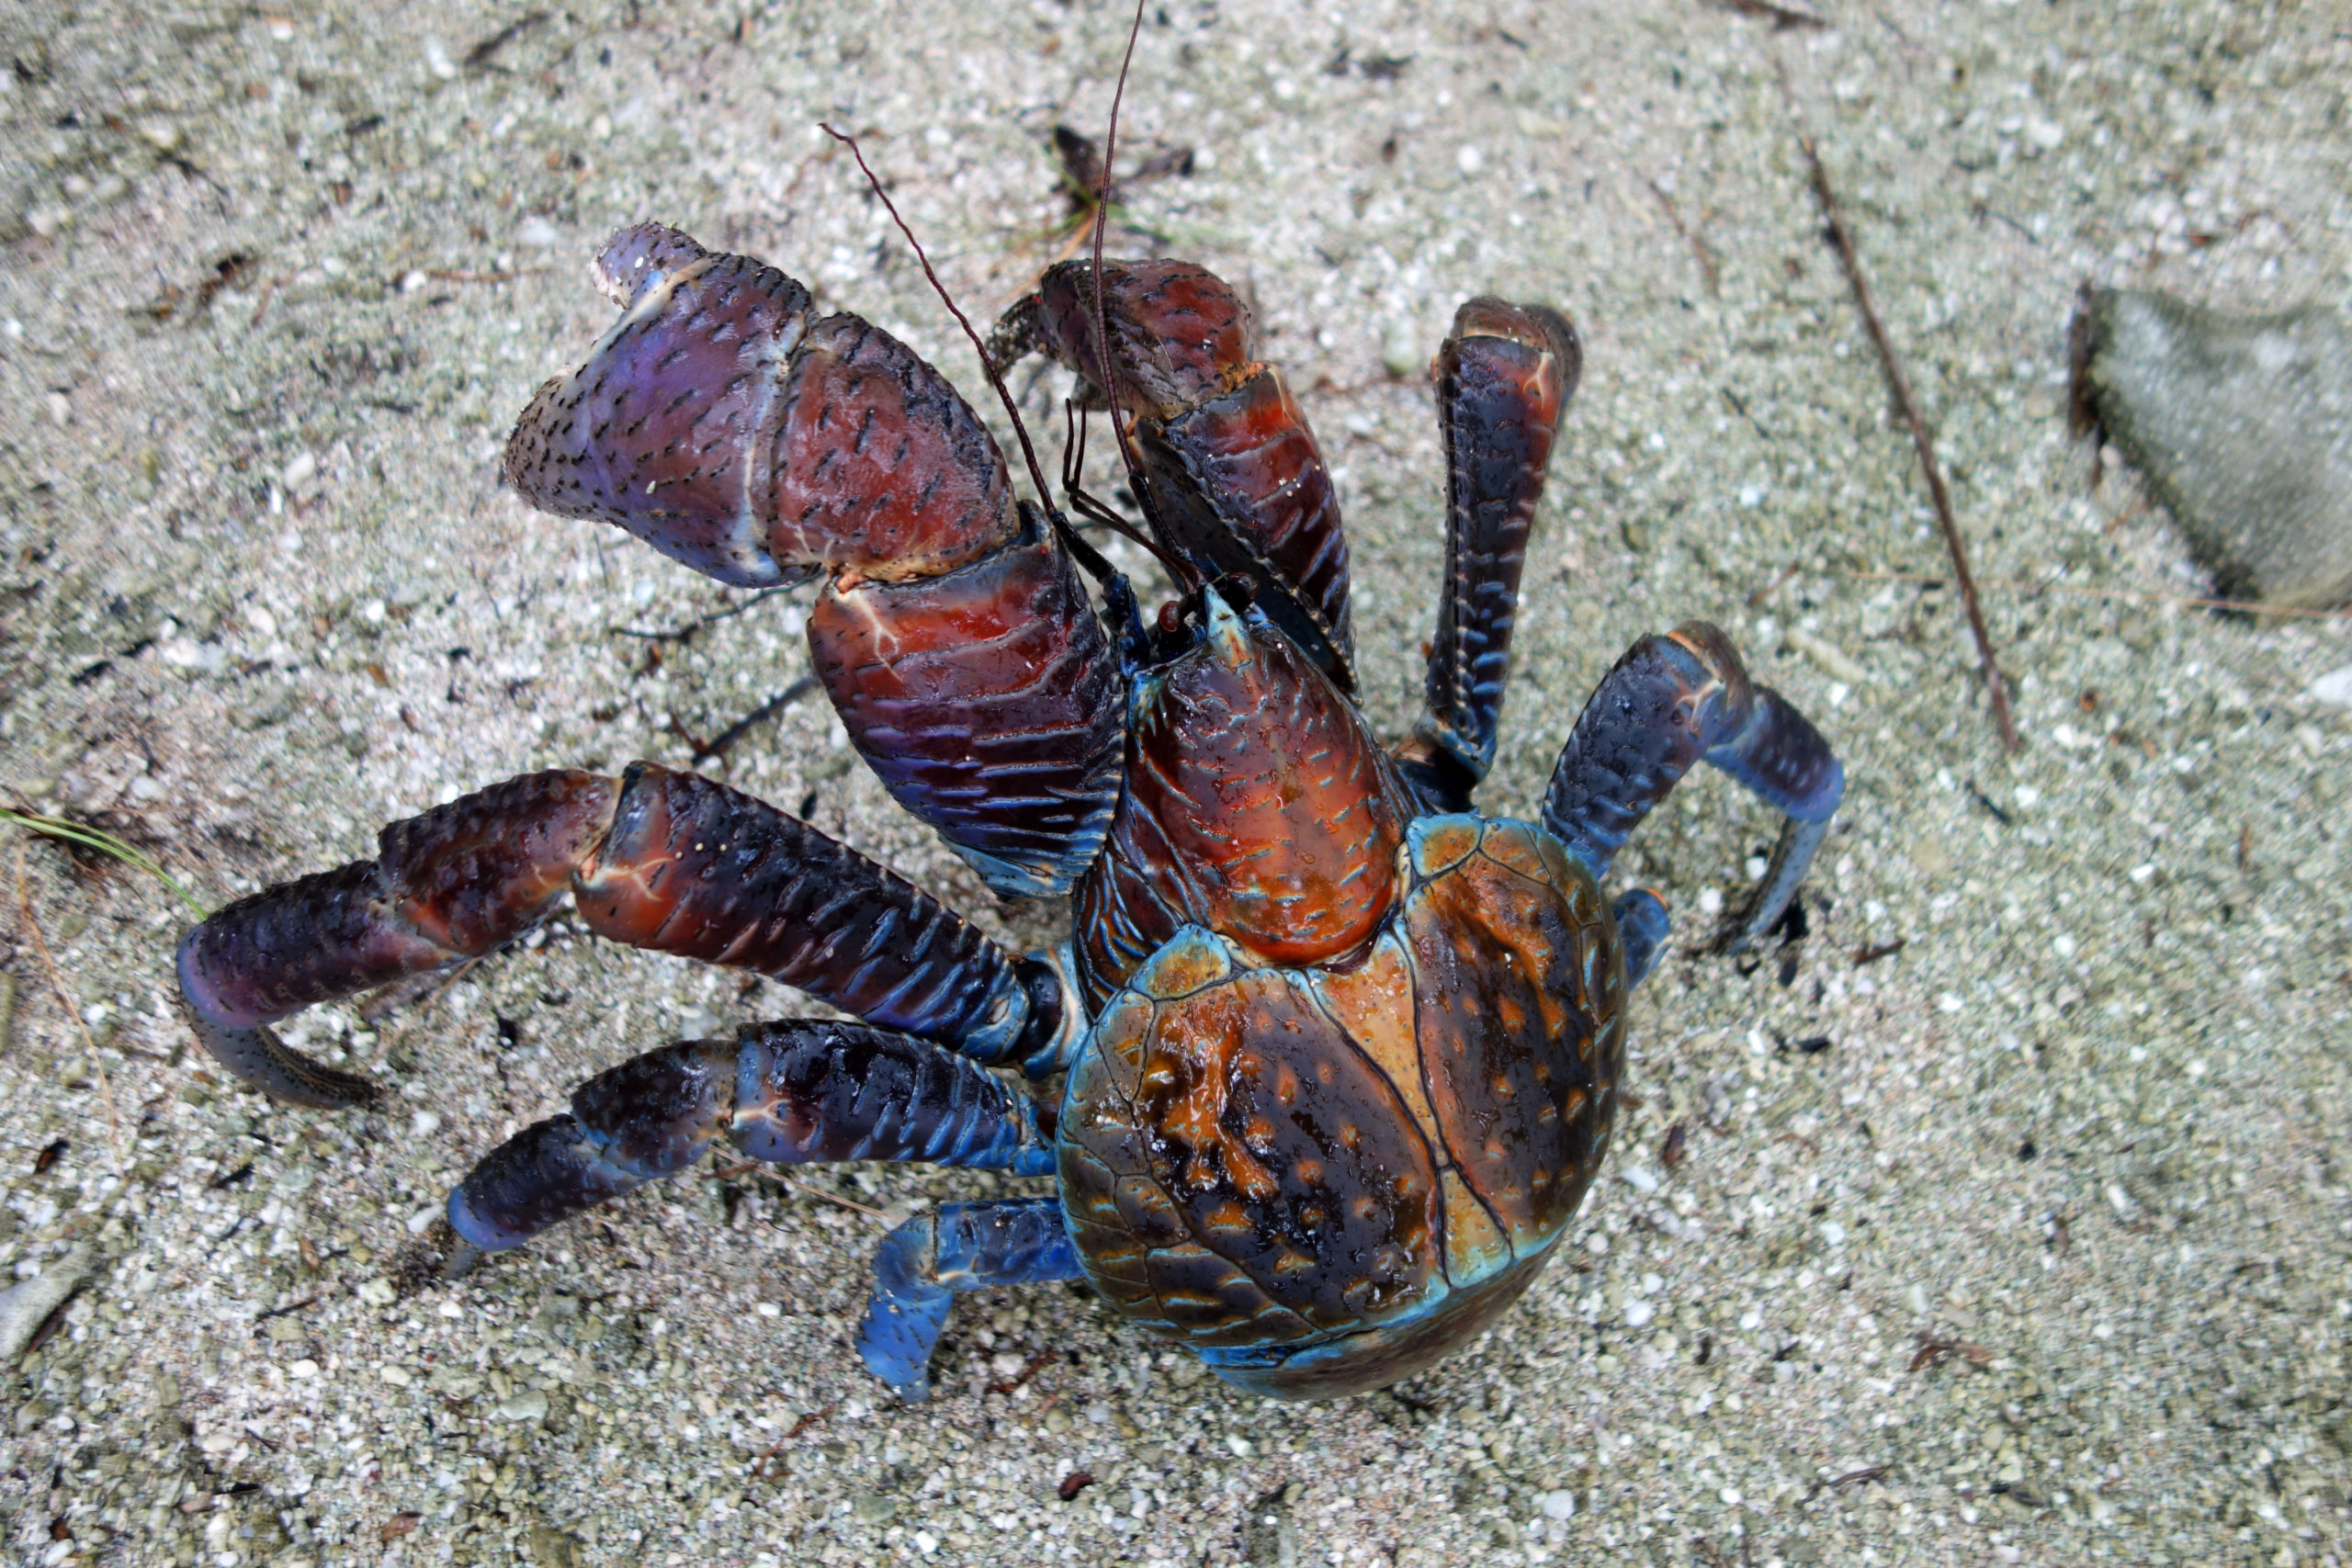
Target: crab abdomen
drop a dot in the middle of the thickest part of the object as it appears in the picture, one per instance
(1324, 1180)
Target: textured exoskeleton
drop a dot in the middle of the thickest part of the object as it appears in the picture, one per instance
(1339, 1056)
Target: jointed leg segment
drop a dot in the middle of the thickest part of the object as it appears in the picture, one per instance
(958, 1247)
(792, 1093)
(666, 861)
(1673, 700)
(1504, 379)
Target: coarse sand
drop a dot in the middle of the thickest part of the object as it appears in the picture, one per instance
(2010, 1221)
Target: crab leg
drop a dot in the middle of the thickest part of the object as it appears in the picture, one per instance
(958, 1247)
(1504, 379)
(658, 860)
(798, 1092)
(1233, 482)
(1676, 700)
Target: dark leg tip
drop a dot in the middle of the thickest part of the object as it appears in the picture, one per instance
(1642, 926)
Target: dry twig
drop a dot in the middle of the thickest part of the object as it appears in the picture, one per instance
(1996, 685)
(57, 985)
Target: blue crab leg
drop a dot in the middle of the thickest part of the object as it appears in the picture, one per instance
(798, 1092)
(958, 1247)
(658, 860)
(1642, 925)
(1670, 702)
(1504, 379)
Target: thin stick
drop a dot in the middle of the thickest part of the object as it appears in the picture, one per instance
(57, 985)
(2245, 606)
(1995, 684)
(1707, 272)
(1036, 473)
(1102, 227)
(844, 1203)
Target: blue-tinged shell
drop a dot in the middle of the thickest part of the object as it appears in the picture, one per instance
(1324, 1178)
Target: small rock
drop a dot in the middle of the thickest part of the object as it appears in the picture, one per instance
(2335, 687)
(873, 1508)
(538, 233)
(1931, 857)
(1833, 660)
(2242, 427)
(550, 1548)
(25, 1307)
(1400, 351)
(457, 1384)
(527, 1406)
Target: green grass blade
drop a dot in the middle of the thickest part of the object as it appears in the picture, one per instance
(69, 831)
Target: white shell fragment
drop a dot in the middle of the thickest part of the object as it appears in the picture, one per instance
(25, 1307)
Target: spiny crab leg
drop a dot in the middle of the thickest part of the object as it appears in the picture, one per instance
(666, 861)
(791, 1093)
(1504, 378)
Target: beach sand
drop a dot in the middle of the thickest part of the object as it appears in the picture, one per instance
(2025, 1243)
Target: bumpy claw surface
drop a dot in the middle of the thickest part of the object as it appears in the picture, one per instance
(1234, 482)
(722, 423)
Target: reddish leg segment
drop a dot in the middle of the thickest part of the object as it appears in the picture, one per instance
(660, 860)
(722, 423)
(1504, 378)
(1233, 482)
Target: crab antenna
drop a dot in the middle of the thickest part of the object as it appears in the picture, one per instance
(1102, 226)
(1036, 474)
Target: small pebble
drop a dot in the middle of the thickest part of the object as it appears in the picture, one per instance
(1400, 351)
(2335, 687)
(529, 1406)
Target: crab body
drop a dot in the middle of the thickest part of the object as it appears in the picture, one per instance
(1323, 1177)
(1340, 1054)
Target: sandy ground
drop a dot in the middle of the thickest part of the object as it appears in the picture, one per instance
(277, 279)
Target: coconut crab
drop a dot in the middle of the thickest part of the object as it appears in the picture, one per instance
(1339, 1056)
